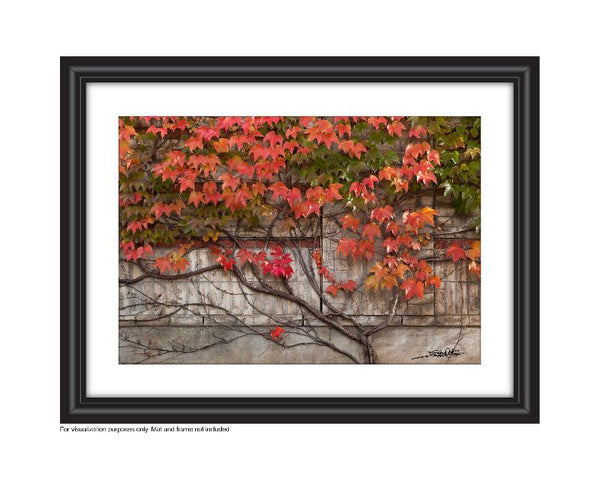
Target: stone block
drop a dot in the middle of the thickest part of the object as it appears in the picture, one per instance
(474, 298)
(419, 320)
(451, 320)
(421, 306)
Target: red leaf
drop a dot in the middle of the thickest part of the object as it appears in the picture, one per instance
(456, 252)
(188, 181)
(412, 288)
(370, 181)
(273, 138)
(293, 196)
(134, 227)
(417, 131)
(210, 193)
(311, 207)
(376, 121)
(208, 162)
(352, 149)
(226, 262)
(229, 181)
(347, 247)
(395, 128)
(333, 192)
(126, 132)
(176, 157)
(163, 264)
(434, 157)
(332, 290)
(279, 190)
(382, 214)
(194, 142)
(238, 165)
(277, 332)
(370, 231)
(154, 129)
(349, 286)
(293, 131)
(366, 249)
(245, 256)
(391, 245)
(343, 129)
(350, 222)
(393, 228)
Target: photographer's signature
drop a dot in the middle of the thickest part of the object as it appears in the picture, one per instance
(448, 352)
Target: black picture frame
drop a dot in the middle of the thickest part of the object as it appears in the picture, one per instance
(77, 407)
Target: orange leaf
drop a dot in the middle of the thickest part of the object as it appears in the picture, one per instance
(180, 265)
(163, 264)
(475, 251)
(258, 189)
(222, 145)
(350, 222)
(427, 215)
(388, 282)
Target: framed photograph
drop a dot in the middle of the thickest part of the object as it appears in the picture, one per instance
(299, 239)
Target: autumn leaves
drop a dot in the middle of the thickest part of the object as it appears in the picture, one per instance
(185, 179)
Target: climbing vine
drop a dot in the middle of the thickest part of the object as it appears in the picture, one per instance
(253, 189)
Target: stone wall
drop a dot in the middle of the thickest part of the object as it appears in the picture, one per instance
(447, 318)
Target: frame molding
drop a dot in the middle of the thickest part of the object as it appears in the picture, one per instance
(77, 407)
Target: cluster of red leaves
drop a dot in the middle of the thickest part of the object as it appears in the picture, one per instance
(140, 224)
(132, 253)
(401, 238)
(458, 252)
(224, 257)
(174, 261)
(335, 287)
(196, 168)
(231, 165)
(278, 263)
(159, 209)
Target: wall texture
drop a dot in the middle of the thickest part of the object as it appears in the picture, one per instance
(443, 327)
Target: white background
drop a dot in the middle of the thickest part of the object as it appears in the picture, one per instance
(492, 102)
(33, 35)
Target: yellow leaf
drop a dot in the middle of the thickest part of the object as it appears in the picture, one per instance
(372, 282)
